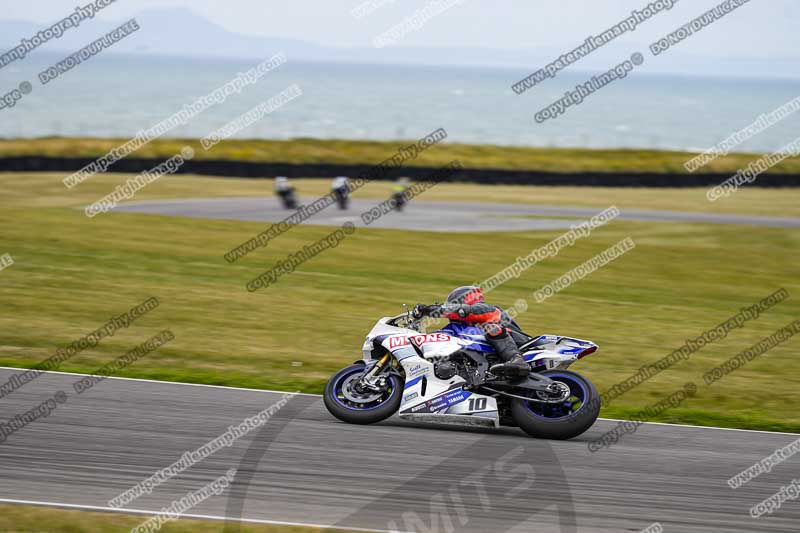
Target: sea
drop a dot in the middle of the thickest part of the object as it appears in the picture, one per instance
(119, 95)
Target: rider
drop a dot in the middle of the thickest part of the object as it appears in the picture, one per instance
(399, 191)
(466, 304)
(282, 186)
(401, 185)
(340, 183)
(340, 188)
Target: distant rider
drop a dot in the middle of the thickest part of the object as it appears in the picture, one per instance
(285, 191)
(341, 188)
(399, 190)
(466, 305)
(401, 185)
(282, 186)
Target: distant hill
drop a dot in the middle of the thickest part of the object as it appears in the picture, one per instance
(181, 32)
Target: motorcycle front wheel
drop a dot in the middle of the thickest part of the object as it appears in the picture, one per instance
(348, 403)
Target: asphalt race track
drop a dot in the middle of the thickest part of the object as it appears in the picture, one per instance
(432, 216)
(305, 467)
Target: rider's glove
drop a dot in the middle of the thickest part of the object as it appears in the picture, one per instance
(419, 311)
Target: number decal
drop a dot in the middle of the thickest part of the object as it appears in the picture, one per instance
(477, 404)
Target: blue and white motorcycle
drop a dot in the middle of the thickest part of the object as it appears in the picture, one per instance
(444, 377)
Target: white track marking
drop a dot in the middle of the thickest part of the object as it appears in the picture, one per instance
(320, 396)
(164, 382)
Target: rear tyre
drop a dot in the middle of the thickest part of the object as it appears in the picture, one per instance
(563, 420)
(344, 401)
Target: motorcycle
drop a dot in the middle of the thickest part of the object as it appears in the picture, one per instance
(399, 200)
(445, 377)
(342, 195)
(288, 198)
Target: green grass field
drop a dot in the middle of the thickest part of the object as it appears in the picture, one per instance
(369, 152)
(25, 519)
(72, 273)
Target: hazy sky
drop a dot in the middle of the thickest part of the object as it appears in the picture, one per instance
(762, 28)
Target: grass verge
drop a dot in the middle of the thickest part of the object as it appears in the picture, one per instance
(72, 273)
(34, 519)
(305, 150)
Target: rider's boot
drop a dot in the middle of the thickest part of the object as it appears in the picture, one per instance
(513, 363)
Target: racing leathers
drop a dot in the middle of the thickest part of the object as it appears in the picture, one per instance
(496, 325)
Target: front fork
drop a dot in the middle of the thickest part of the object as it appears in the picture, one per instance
(370, 380)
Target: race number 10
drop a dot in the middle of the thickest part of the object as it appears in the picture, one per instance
(477, 404)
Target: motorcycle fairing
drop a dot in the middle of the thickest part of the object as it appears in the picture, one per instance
(555, 351)
(470, 334)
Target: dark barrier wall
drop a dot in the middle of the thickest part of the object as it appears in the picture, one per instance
(244, 169)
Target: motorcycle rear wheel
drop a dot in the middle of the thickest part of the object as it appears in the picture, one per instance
(564, 420)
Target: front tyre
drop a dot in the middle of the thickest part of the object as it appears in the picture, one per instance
(563, 420)
(348, 403)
